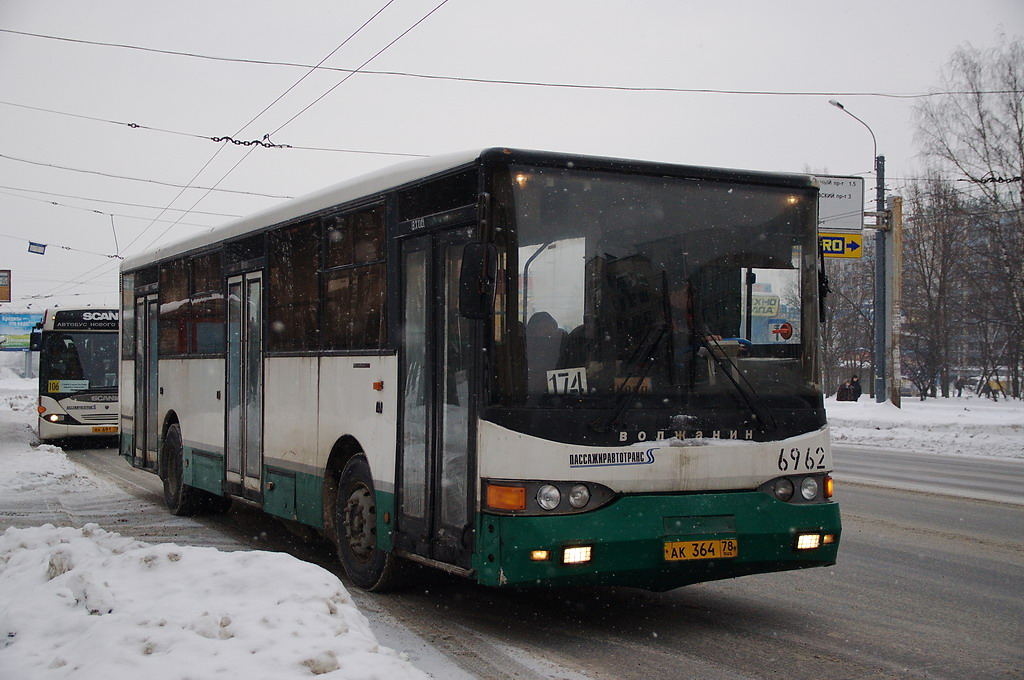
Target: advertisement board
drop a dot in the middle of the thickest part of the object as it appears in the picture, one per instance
(16, 329)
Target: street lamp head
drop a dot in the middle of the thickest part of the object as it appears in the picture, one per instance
(842, 108)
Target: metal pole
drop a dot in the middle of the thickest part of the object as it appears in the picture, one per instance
(880, 306)
(894, 272)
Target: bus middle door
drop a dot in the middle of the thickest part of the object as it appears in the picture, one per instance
(147, 384)
(243, 433)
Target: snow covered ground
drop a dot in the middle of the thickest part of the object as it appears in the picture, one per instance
(966, 426)
(90, 604)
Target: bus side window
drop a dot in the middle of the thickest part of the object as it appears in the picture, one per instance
(293, 294)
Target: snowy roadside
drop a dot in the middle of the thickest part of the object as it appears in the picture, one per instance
(87, 603)
(967, 426)
(90, 604)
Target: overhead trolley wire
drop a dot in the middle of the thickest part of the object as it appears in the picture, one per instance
(320, 98)
(137, 179)
(497, 81)
(98, 200)
(265, 109)
(207, 164)
(264, 143)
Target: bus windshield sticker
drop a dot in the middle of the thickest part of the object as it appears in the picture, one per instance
(567, 381)
(66, 385)
(633, 385)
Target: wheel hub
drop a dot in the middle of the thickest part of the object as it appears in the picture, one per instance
(360, 527)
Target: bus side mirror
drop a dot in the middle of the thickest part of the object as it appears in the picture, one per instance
(476, 280)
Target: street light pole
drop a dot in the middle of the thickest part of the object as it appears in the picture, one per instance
(880, 274)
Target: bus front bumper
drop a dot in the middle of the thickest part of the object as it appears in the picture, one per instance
(658, 541)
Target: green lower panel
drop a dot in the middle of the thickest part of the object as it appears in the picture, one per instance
(279, 493)
(127, 445)
(385, 518)
(204, 470)
(309, 499)
(628, 540)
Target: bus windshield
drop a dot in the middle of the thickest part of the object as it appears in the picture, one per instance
(670, 291)
(78, 362)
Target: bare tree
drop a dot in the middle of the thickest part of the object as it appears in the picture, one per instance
(848, 329)
(975, 127)
(936, 262)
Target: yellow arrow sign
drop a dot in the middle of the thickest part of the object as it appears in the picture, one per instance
(841, 245)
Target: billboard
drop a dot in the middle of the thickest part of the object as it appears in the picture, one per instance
(16, 329)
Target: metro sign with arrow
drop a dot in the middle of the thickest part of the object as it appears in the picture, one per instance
(841, 245)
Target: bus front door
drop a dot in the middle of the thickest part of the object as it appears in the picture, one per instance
(243, 440)
(435, 495)
(147, 384)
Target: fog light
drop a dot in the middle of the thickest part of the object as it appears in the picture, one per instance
(808, 541)
(828, 539)
(809, 488)
(579, 554)
(548, 497)
(579, 496)
(540, 555)
(783, 489)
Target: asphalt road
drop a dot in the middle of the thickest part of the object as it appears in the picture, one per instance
(929, 584)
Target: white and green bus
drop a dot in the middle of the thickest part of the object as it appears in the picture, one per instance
(77, 373)
(526, 368)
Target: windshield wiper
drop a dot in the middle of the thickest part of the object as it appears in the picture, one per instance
(729, 368)
(643, 358)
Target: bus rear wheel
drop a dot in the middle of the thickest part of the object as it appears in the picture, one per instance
(181, 499)
(355, 523)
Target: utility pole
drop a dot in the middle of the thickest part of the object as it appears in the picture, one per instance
(882, 225)
(880, 306)
(894, 301)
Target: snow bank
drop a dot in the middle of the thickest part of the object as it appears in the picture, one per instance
(87, 603)
(968, 426)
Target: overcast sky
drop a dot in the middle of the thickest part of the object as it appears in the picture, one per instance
(75, 176)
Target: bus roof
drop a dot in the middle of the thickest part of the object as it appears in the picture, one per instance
(358, 187)
(400, 174)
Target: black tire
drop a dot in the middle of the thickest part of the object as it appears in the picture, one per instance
(181, 499)
(355, 523)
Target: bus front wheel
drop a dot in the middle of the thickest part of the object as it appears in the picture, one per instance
(355, 525)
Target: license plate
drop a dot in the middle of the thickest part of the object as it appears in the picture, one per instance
(104, 429)
(701, 550)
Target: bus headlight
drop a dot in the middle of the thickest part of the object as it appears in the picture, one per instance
(783, 489)
(809, 488)
(579, 496)
(548, 497)
(544, 496)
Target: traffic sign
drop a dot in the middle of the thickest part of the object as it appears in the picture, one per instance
(841, 245)
(840, 203)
